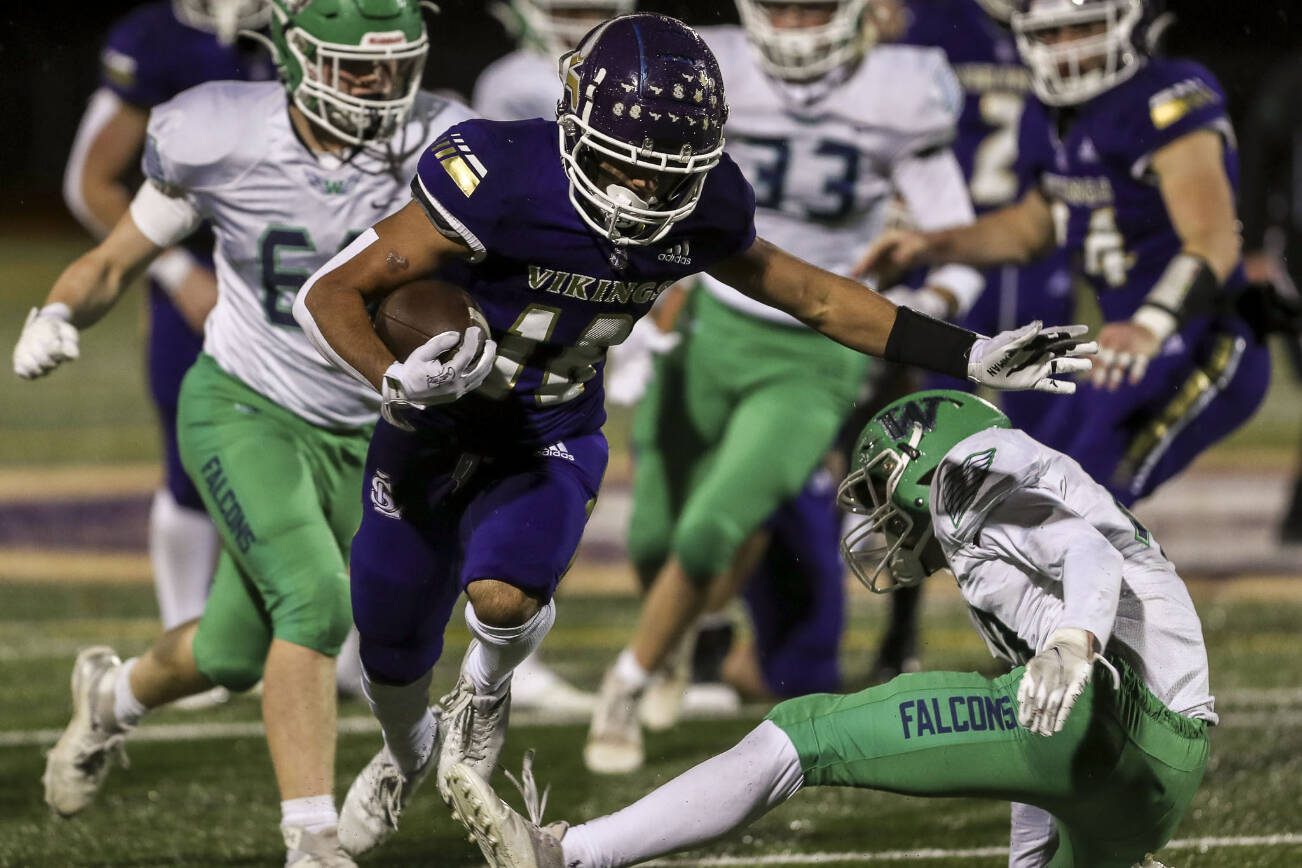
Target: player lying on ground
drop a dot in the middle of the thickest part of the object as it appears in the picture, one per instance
(564, 234)
(273, 437)
(1058, 578)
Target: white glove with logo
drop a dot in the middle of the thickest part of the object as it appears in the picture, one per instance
(1030, 358)
(48, 340)
(1054, 680)
(424, 381)
(629, 365)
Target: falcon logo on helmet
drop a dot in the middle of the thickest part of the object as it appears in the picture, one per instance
(352, 66)
(894, 463)
(641, 125)
(1077, 49)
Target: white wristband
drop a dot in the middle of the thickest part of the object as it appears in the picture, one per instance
(1158, 321)
(170, 268)
(58, 310)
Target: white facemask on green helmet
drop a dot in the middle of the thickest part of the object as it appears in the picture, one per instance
(353, 67)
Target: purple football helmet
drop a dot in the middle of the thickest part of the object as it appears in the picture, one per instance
(641, 123)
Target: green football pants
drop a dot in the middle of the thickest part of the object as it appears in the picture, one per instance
(286, 498)
(737, 418)
(1117, 778)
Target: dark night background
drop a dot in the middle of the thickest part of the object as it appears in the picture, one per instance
(49, 54)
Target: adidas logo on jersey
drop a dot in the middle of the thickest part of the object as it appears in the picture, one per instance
(1087, 152)
(556, 450)
(679, 254)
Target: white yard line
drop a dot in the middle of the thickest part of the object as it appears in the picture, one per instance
(1200, 844)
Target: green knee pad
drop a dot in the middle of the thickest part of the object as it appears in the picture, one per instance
(705, 544)
(235, 666)
(317, 615)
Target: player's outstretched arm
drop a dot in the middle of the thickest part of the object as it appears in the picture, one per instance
(1031, 357)
(331, 305)
(1196, 191)
(1016, 234)
(84, 292)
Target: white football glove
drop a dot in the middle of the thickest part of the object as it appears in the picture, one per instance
(48, 340)
(1031, 357)
(629, 365)
(1055, 678)
(424, 381)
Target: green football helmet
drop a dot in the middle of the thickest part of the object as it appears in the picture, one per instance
(352, 66)
(893, 463)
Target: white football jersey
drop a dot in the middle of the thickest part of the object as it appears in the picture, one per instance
(524, 84)
(279, 212)
(1036, 544)
(822, 170)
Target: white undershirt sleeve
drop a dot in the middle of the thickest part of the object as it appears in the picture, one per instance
(163, 219)
(936, 194)
(103, 105)
(304, 316)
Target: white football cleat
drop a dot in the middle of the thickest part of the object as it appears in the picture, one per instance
(306, 849)
(76, 766)
(662, 702)
(614, 744)
(473, 727)
(711, 701)
(376, 800)
(507, 839)
(536, 686)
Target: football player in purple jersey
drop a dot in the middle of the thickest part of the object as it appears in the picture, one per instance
(149, 56)
(1140, 189)
(483, 470)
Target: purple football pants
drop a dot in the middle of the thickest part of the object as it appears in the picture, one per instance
(436, 518)
(172, 349)
(796, 596)
(1134, 439)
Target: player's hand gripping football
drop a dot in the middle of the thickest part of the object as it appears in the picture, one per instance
(1054, 680)
(425, 381)
(48, 340)
(1031, 357)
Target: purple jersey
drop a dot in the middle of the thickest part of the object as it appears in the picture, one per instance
(996, 88)
(149, 57)
(1107, 207)
(555, 294)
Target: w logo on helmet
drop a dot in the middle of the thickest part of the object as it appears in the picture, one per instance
(899, 421)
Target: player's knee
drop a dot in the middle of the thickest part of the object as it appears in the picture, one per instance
(704, 544)
(648, 549)
(236, 667)
(316, 615)
(498, 604)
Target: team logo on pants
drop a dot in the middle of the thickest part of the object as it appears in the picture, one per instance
(382, 495)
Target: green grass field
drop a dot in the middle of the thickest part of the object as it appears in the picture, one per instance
(188, 799)
(200, 789)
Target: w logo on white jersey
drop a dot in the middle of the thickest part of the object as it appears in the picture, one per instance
(679, 254)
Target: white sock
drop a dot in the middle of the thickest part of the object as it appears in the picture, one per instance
(491, 661)
(716, 797)
(127, 710)
(183, 547)
(405, 719)
(314, 813)
(630, 671)
(348, 665)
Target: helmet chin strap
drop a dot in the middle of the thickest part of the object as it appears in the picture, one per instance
(624, 196)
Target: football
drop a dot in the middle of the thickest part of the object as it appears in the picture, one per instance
(417, 311)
